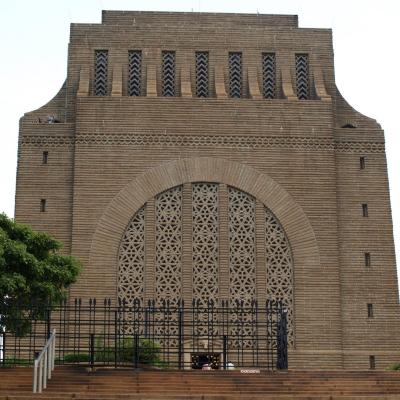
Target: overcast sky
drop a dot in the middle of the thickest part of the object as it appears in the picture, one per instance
(35, 33)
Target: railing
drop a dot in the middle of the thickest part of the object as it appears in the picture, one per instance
(160, 334)
(44, 364)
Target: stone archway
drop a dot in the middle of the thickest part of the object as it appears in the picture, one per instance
(111, 226)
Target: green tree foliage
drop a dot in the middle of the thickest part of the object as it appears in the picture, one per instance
(32, 272)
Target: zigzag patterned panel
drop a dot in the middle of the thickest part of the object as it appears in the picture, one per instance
(135, 73)
(131, 259)
(101, 73)
(168, 73)
(302, 78)
(202, 74)
(269, 75)
(235, 75)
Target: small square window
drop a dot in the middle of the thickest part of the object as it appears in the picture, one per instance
(371, 362)
(45, 157)
(370, 309)
(365, 210)
(42, 205)
(362, 162)
(367, 259)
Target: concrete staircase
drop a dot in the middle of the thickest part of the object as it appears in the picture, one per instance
(109, 384)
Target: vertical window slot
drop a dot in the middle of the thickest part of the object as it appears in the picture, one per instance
(101, 73)
(45, 157)
(370, 309)
(235, 75)
(168, 73)
(202, 80)
(43, 205)
(302, 77)
(135, 73)
(269, 75)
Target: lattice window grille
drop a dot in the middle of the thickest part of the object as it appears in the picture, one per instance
(205, 257)
(269, 75)
(205, 250)
(202, 81)
(302, 76)
(101, 73)
(168, 73)
(135, 73)
(242, 260)
(279, 267)
(235, 75)
(168, 241)
(131, 260)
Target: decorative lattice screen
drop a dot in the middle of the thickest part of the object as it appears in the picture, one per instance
(100, 72)
(205, 242)
(168, 73)
(269, 75)
(242, 263)
(135, 73)
(279, 265)
(169, 245)
(131, 260)
(302, 78)
(235, 75)
(205, 217)
(202, 74)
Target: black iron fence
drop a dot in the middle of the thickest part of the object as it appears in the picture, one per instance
(166, 334)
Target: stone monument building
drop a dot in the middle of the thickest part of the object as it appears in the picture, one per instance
(211, 156)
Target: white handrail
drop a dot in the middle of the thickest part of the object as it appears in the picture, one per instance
(44, 362)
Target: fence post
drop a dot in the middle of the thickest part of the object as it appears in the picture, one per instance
(115, 337)
(136, 350)
(48, 320)
(180, 337)
(91, 350)
(225, 351)
(40, 375)
(4, 348)
(282, 345)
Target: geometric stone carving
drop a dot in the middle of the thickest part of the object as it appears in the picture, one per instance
(242, 263)
(205, 251)
(204, 267)
(205, 242)
(168, 242)
(131, 260)
(158, 139)
(242, 257)
(279, 266)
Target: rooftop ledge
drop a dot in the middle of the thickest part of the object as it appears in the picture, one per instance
(111, 17)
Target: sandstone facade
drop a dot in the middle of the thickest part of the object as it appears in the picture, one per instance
(303, 155)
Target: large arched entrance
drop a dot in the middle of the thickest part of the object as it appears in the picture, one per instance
(205, 242)
(105, 253)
